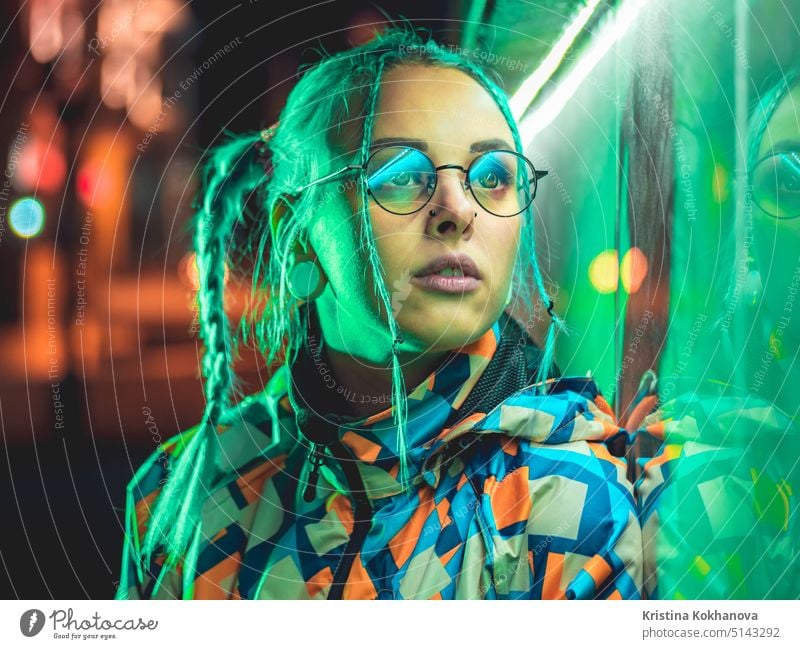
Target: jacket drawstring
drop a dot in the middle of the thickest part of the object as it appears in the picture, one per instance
(315, 457)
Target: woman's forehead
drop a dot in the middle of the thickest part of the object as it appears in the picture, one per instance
(444, 107)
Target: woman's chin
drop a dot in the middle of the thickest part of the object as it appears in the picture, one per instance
(438, 334)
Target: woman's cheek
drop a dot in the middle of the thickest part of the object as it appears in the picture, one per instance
(335, 236)
(506, 243)
(398, 250)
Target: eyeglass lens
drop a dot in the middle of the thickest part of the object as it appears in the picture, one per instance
(402, 179)
(776, 185)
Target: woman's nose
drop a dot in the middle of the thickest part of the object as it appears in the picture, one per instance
(454, 210)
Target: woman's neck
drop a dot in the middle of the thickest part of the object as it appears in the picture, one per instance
(364, 389)
(360, 360)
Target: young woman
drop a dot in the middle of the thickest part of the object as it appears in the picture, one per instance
(395, 207)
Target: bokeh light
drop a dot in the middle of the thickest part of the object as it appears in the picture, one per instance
(604, 271)
(633, 270)
(41, 168)
(26, 217)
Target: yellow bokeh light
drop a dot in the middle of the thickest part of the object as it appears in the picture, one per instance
(604, 271)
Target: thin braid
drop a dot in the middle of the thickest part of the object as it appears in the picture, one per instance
(175, 520)
(399, 398)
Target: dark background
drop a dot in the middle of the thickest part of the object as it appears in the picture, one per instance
(63, 488)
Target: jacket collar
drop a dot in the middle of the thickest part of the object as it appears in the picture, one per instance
(572, 409)
(372, 440)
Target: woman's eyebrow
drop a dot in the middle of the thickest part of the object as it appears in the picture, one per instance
(490, 145)
(422, 145)
(476, 147)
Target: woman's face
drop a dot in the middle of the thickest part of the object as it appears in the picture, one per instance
(449, 116)
(777, 241)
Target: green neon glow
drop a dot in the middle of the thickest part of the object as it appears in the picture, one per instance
(531, 87)
(611, 32)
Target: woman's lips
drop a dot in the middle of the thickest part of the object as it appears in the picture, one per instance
(446, 283)
(449, 273)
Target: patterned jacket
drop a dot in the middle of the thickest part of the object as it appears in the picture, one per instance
(719, 502)
(514, 494)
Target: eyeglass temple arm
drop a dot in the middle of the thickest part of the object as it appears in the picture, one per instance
(327, 177)
(537, 176)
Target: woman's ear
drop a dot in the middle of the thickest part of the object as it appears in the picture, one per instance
(284, 206)
(306, 280)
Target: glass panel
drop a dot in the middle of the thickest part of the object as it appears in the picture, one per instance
(669, 236)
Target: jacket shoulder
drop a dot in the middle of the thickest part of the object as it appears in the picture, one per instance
(252, 444)
(251, 433)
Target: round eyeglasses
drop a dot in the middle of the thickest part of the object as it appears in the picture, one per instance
(403, 179)
(776, 184)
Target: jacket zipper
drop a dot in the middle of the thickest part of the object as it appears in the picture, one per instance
(362, 519)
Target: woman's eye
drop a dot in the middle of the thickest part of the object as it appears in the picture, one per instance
(788, 176)
(490, 180)
(401, 179)
(776, 185)
(409, 179)
(493, 179)
(789, 182)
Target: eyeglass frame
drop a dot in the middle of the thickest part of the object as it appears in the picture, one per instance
(537, 175)
(752, 184)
